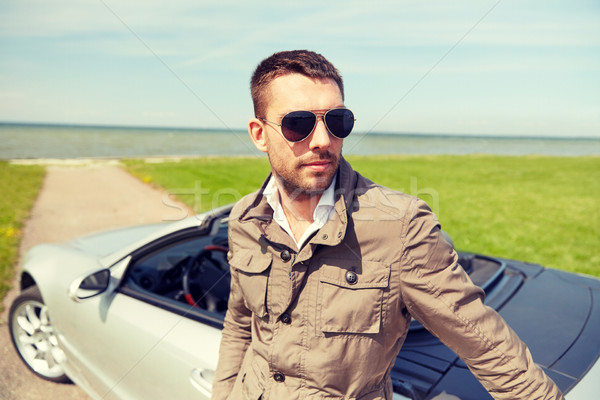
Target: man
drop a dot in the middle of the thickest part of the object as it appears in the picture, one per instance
(327, 268)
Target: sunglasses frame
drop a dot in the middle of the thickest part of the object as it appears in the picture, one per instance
(317, 116)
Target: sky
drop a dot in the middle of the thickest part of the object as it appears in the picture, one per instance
(499, 67)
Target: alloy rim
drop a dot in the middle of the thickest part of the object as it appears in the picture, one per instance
(36, 340)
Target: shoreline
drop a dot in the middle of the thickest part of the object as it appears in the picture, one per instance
(117, 161)
(49, 143)
(242, 130)
(83, 161)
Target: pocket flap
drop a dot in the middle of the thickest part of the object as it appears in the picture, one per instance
(369, 274)
(250, 262)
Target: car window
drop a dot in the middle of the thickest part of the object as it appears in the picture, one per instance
(184, 270)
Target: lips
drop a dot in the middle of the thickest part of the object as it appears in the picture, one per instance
(318, 166)
(319, 162)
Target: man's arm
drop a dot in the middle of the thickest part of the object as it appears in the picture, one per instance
(235, 340)
(439, 294)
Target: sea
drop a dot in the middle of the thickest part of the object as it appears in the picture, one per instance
(35, 141)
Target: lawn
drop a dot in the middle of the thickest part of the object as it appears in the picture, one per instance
(19, 186)
(535, 208)
(204, 183)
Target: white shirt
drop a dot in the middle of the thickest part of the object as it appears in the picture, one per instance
(321, 214)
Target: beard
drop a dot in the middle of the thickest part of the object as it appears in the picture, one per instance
(299, 182)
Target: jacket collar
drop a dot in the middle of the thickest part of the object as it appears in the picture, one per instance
(257, 210)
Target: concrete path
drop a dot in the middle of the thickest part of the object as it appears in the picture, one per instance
(77, 200)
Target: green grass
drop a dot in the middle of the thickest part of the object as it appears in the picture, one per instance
(204, 183)
(538, 209)
(19, 186)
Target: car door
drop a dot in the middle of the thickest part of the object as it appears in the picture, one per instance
(142, 339)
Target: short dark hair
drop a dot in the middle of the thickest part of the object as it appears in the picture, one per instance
(304, 62)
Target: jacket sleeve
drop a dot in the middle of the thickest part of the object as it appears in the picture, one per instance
(236, 337)
(439, 294)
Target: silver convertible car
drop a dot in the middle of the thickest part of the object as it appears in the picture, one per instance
(137, 313)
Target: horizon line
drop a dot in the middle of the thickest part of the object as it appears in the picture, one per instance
(374, 133)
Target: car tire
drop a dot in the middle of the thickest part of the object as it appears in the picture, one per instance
(34, 337)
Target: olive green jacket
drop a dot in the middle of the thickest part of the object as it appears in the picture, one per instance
(327, 321)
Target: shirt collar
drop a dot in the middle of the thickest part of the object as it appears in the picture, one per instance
(321, 213)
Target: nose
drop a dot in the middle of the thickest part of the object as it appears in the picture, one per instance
(320, 138)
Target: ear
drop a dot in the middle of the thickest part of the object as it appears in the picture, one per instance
(256, 130)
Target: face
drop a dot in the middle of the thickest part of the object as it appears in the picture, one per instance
(306, 167)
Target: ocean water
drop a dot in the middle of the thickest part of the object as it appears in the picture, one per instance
(21, 141)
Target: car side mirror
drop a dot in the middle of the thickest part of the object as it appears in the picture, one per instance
(90, 285)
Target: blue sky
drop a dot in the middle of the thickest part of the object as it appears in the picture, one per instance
(466, 67)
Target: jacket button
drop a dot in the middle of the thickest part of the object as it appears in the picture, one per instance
(279, 377)
(351, 277)
(285, 256)
(285, 318)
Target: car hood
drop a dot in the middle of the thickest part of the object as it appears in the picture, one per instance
(112, 245)
(104, 243)
(551, 311)
(57, 264)
(563, 309)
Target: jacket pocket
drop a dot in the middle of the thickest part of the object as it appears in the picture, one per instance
(252, 387)
(351, 296)
(252, 382)
(253, 274)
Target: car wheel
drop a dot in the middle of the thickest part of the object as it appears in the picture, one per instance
(33, 336)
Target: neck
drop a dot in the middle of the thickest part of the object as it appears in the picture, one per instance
(299, 211)
(299, 207)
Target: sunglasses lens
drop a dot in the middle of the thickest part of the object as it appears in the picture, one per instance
(340, 122)
(297, 125)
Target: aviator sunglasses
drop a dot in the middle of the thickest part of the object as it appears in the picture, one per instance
(298, 125)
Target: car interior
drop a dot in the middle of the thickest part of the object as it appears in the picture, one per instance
(185, 273)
